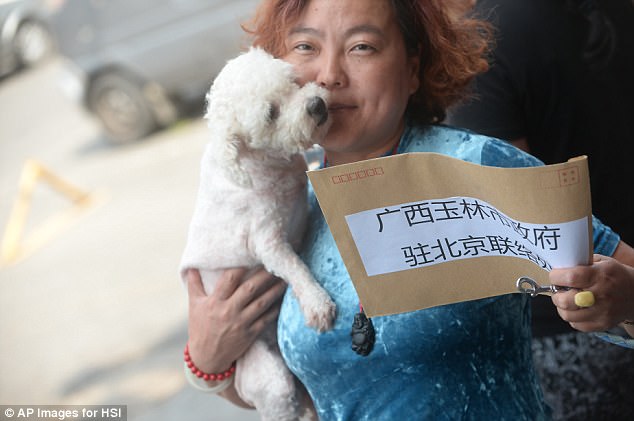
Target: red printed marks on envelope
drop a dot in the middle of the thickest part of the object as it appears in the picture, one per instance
(357, 175)
(568, 176)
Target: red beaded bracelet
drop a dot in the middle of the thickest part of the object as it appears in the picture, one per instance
(207, 376)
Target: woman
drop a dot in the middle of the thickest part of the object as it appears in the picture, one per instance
(392, 68)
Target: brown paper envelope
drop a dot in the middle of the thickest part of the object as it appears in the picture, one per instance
(552, 194)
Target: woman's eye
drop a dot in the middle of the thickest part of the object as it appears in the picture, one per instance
(363, 48)
(303, 47)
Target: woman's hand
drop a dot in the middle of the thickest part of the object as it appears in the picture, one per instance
(612, 284)
(224, 324)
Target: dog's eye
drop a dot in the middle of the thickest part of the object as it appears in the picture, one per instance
(273, 113)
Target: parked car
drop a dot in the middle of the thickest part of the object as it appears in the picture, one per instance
(138, 65)
(25, 33)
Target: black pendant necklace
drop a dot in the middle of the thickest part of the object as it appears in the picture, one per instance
(362, 334)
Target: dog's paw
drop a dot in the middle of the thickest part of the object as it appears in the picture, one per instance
(319, 310)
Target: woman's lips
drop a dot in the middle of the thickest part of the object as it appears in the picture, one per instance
(339, 107)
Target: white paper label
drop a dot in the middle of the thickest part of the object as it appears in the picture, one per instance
(418, 234)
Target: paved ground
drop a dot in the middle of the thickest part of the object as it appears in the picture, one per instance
(94, 314)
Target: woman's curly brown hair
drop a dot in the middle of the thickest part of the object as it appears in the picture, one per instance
(453, 48)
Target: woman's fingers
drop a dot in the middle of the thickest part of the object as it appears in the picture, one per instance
(258, 299)
(565, 300)
(254, 287)
(245, 297)
(578, 277)
(583, 319)
(228, 283)
(584, 322)
(194, 283)
(226, 321)
(266, 318)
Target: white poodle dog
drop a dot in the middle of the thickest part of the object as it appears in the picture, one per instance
(251, 206)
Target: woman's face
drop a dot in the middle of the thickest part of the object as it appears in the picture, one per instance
(354, 48)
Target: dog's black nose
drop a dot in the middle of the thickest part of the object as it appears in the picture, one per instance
(317, 109)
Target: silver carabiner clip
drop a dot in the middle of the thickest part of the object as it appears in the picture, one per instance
(528, 285)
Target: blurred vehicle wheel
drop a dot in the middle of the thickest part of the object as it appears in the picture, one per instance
(33, 43)
(119, 103)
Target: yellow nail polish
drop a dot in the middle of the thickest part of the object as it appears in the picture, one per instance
(584, 299)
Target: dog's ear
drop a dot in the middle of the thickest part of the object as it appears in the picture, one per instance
(230, 156)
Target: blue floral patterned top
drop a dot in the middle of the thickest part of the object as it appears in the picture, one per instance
(467, 361)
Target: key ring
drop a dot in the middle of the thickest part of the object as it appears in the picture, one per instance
(528, 285)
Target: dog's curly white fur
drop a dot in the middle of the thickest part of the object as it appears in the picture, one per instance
(251, 205)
